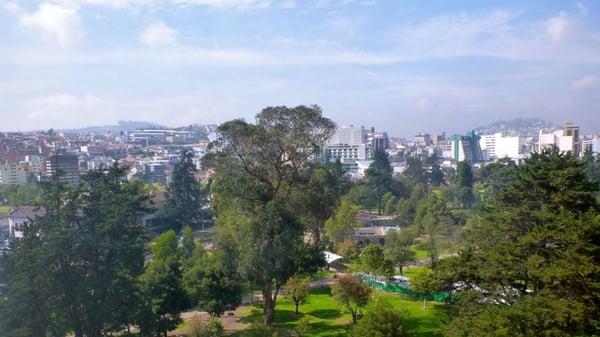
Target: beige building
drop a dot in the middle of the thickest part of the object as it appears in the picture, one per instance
(12, 174)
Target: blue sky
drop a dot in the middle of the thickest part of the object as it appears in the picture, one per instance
(401, 66)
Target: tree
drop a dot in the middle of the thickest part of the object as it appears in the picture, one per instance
(397, 247)
(211, 285)
(436, 175)
(415, 170)
(381, 319)
(86, 248)
(379, 176)
(351, 293)
(298, 289)
(212, 328)
(187, 199)
(348, 248)
(343, 220)
(260, 170)
(372, 258)
(188, 243)
(162, 289)
(464, 174)
(434, 220)
(425, 281)
(535, 251)
(389, 204)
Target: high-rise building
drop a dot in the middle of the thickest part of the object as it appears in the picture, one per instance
(66, 166)
(466, 148)
(379, 141)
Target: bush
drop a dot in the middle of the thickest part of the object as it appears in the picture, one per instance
(212, 328)
(381, 320)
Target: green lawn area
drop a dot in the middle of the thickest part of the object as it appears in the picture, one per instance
(327, 319)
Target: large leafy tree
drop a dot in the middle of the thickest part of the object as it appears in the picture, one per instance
(343, 220)
(162, 289)
(211, 285)
(397, 247)
(533, 255)
(351, 294)
(259, 172)
(187, 199)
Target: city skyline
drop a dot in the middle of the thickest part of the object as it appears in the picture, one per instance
(401, 68)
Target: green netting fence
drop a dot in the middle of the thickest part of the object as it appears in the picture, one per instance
(445, 297)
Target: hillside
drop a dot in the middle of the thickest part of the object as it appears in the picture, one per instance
(522, 126)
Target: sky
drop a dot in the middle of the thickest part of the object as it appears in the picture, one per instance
(400, 66)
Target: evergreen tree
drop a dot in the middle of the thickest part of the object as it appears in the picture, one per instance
(436, 175)
(187, 199)
(535, 250)
(379, 177)
(397, 247)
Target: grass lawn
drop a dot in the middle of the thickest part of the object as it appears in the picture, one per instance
(327, 319)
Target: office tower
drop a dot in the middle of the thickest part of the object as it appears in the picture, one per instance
(66, 166)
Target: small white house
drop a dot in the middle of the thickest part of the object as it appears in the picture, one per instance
(20, 217)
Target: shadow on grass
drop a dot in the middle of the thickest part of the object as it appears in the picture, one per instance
(325, 313)
(281, 316)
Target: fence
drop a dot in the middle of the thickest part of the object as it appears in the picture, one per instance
(444, 297)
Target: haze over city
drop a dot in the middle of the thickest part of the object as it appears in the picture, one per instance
(400, 66)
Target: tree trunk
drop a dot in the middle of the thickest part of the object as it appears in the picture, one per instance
(401, 271)
(297, 307)
(354, 317)
(268, 304)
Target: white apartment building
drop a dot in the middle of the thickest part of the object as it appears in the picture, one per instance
(559, 138)
(501, 145)
(12, 174)
(346, 152)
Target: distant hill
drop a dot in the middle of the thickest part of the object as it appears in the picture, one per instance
(121, 126)
(522, 126)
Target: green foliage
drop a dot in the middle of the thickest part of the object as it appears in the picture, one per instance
(83, 257)
(464, 174)
(397, 247)
(436, 175)
(379, 177)
(352, 294)
(424, 280)
(188, 244)
(372, 258)
(211, 286)
(434, 220)
(262, 172)
(20, 195)
(535, 248)
(187, 199)
(381, 319)
(161, 288)
(348, 248)
(212, 328)
(415, 170)
(342, 220)
(298, 289)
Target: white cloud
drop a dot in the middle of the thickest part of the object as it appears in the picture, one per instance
(586, 82)
(158, 33)
(56, 23)
(557, 27)
(66, 110)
